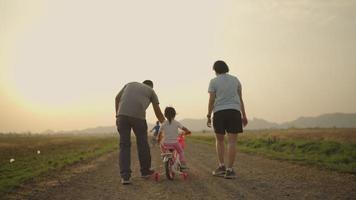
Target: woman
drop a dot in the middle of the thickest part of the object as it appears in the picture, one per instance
(226, 102)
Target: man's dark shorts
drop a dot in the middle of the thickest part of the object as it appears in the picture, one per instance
(227, 121)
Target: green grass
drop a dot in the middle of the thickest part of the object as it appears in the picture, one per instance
(327, 154)
(56, 152)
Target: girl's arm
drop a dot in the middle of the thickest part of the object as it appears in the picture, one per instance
(186, 131)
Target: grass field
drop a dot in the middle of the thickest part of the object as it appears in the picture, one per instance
(55, 152)
(329, 148)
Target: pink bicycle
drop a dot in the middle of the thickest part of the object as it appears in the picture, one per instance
(172, 165)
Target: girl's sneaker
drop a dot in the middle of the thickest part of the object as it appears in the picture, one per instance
(230, 174)
(183, 167)
(220, 171)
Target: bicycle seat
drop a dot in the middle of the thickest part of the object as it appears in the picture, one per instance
(167, 154)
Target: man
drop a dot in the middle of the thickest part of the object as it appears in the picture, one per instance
(131, 104)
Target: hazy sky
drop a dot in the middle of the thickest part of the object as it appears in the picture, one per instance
(63, 62)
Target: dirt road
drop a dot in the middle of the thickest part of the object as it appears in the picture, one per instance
(258, 178)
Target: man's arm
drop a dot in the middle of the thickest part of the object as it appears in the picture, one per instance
(210, 107)
(117, 99)
(159, 136)
(158, 112)
(244, 117)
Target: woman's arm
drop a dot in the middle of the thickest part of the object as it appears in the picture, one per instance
(244, 117)
(212, 97)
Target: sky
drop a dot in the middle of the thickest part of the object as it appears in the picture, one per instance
(63, 62)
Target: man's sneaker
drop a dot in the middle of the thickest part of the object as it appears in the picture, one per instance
(220, 171)
(230, 174)
(125, 181)
(148, 174)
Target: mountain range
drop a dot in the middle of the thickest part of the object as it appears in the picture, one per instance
(331, 120)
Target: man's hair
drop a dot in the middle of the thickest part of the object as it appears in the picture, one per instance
(148, 82)
(220, 67)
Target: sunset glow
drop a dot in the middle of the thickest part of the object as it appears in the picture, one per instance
(63, 62)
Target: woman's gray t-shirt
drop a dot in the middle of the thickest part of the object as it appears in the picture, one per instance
(226, 87)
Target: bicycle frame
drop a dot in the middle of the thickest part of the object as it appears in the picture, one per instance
(171, 161)
(173, 157)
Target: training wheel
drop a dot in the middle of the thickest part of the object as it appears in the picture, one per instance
(156, 177)
(185, 175)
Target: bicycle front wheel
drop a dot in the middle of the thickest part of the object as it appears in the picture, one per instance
(168, 165)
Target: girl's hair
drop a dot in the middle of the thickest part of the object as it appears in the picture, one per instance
(170, 113)
(220, 67)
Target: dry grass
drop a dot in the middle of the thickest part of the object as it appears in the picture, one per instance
(342, 135)
(56, 152)
(336, 135)
(330, 148)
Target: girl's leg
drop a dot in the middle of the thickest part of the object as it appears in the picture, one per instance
(180, 152)
(232, 138)
(220, 148)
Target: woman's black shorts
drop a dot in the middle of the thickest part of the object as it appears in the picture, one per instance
(227, 121)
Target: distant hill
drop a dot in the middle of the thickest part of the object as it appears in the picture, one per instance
(256, 124)
(99, 129)
(195, 124)
(200, 124)
(337, 120)
(333, 120)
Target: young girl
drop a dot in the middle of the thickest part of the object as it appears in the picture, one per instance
(170, 132)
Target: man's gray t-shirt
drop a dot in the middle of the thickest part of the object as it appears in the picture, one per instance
(135, 98)
(225, 86)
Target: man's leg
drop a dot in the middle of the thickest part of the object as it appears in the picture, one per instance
(124, 128)
(231, 149)
(143, 148)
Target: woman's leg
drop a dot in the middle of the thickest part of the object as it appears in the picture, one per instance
(220, 148)
(231, 149)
